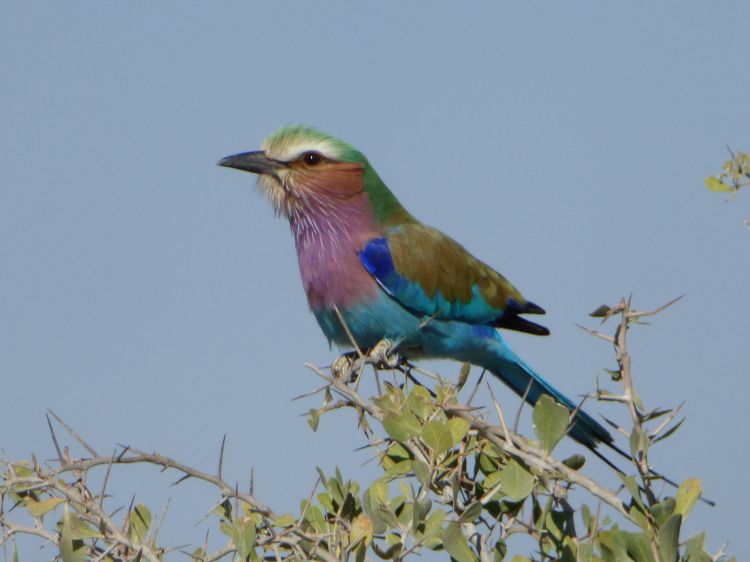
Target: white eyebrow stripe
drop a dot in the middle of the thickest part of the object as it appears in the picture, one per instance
(291, 150)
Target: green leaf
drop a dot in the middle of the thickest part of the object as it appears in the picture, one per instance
(517, 480)
(436, 436)
(669, 538)
(588, 520)
(402, 426)
(640, 519)
(420, 511)
(586, 552)
(558, 523)
(575, 462)
(314, 515)
(687, 494)
(612, 545)
(713, 183)
(399, 468)
(614, 374)
(80, 529)
(638, 547)
(313, 419)
(335, 487)
(390, 402)
(421, 471)
(655, 414)
(456, 544)
(569, 551)
(285, 520)
(384, 516)
(463, 375)
(472, 512)
(600, 312)
(694, 549)
(225, 528)
(224, 510)
(491, 481)
(638, 442)
(670, 431)
(72, 548)
(397, 452)
(360, 552)
(378, 493)
(139, 520)
(550, 421)
(663, 510)
(420, 402)
(324, 499)
(632, 487)
(38, 509)
(434, 522)
(458, 428)
(243, 536)
(499, 551)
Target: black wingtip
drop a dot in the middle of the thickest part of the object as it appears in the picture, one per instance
(533, 308)
(513, 322)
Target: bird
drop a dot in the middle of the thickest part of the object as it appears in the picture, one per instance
(372, 271)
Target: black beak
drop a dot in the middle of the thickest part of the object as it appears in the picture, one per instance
(256, 162)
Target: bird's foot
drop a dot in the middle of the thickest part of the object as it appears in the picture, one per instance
(342, 367)
(349, 365)
(383, 356)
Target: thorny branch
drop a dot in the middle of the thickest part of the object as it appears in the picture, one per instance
(348, 525)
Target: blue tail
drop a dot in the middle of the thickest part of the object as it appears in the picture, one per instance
(485, 347)
(500, 360)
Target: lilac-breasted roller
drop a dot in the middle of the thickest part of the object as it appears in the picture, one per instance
(364, 256)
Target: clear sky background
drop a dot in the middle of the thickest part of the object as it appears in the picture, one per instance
(151, 298)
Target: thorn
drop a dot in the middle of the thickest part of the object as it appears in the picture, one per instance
(54, 440)
(74, 434)
(221, 456)
(180, 480)
(310, 393)
(106, 479)
(500, 415)
(476, 387)
(348, 332)
(597, 334)
(659, 309)
(520, 407)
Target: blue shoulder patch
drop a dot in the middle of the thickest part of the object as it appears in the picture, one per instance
(376, 257)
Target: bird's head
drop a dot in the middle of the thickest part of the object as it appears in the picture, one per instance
(300, 166)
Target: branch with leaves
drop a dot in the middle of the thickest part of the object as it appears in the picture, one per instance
(734, 176)
(456, 478)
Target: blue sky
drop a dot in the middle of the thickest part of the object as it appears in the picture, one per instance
(152, 298)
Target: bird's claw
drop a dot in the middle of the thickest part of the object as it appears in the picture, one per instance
(349, 365)
(342, 366)
(381, 355)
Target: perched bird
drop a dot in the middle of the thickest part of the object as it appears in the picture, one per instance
(366, 262)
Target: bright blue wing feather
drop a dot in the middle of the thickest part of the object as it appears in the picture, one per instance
(376, 258)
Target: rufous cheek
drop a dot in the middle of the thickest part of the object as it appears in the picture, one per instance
(339, 180)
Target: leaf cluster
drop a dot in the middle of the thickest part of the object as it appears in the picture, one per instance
(453, 481)
(734, 176)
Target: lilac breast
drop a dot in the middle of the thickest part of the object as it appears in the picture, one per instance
(328, 239)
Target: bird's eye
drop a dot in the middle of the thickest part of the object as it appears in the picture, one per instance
(311, 158)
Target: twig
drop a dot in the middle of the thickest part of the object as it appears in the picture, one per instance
(348, 332)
